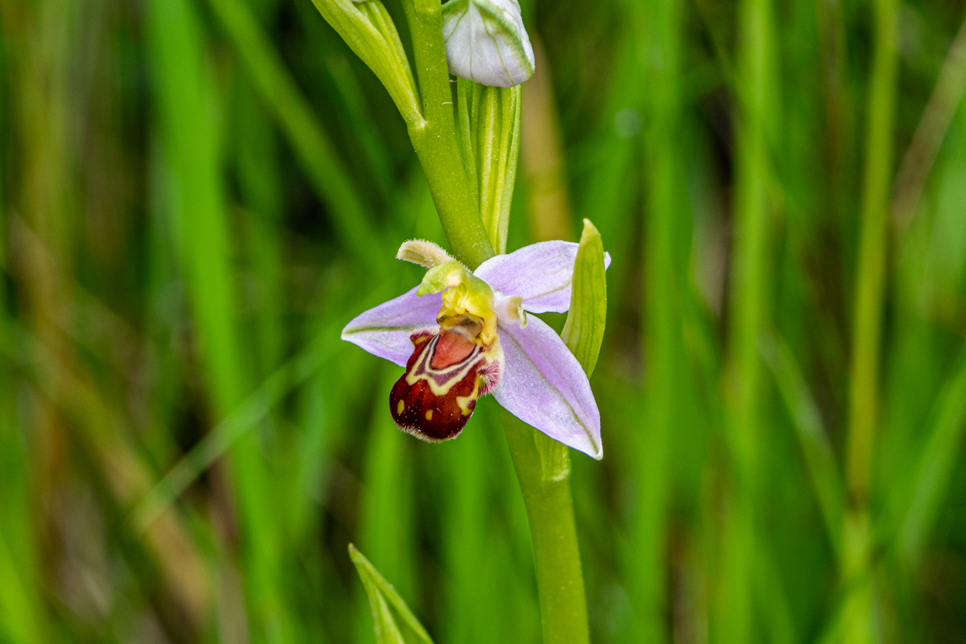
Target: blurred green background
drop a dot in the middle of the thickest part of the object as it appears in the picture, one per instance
(196, 195)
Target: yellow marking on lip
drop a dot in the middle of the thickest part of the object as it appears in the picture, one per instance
(464, 401)
(400, 406)
(429, 415)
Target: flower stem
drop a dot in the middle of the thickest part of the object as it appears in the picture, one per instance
(550, 511)
(543, 470)
(542, 465)
(435, 139)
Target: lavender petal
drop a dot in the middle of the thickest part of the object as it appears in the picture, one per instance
(540, 273)
(544, 386)
(384, 330)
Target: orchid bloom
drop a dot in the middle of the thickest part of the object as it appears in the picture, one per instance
(463, 334)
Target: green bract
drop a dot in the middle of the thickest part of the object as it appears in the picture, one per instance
(392, 620)
(367, 28)
(584, 330)
(488, 119)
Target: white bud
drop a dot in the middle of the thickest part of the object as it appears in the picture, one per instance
(486, 42)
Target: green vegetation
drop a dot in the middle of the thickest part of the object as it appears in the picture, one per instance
(197, 195)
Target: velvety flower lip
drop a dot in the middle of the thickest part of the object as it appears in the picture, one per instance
(537, 378)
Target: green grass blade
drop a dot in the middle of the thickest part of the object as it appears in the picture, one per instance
(197, 202)
(661, 26)
(312, 144)
(867, 320)
(751, 267)
(812, 436)
(389, 611)
(219, 441)
(935, 465)
(21, 609)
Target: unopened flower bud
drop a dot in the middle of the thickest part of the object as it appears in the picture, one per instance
(486, 42)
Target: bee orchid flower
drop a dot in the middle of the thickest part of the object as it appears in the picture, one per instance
(462, 334)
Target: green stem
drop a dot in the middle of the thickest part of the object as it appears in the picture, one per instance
(435, 140)
(543, 470)
(867, 324)
(664, 265)
(750, 313)
(867, 320)
(311, 143)
(546, 489)
(550, 511)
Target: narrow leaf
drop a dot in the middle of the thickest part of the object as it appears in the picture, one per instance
(468, 95)
(312, 144)
(584, 331)
(370, 32)
(488, 120)
(812, 436)
(393, 622)
(936, 464)
(498, 147)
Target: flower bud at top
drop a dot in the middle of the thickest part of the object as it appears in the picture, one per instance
(486, 42)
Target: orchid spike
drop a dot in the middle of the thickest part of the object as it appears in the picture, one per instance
(463, 334)
(486, 42)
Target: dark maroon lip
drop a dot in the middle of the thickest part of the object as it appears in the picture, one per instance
(451, 363)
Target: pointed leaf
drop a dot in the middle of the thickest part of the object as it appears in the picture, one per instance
(488, 120)
(812, 435)
(498, 146)
(584, 331)
(369, 31)
(937, 462)
(468, 95)
(541, 274)
(393, 622)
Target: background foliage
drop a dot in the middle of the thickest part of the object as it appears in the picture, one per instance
(196, 195)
